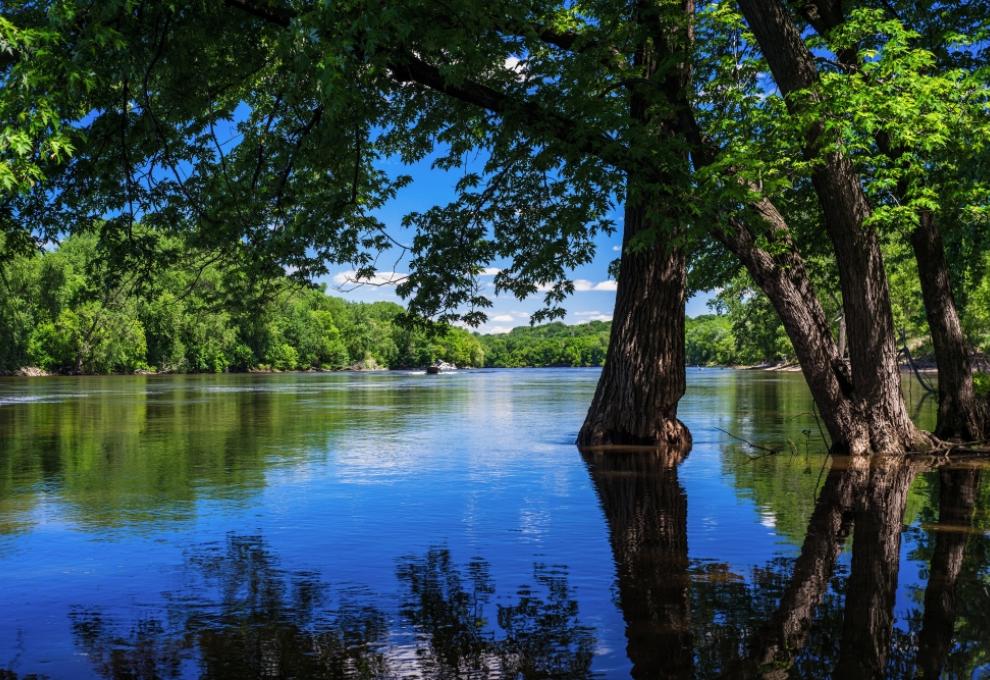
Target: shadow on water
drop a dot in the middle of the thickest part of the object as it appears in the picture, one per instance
(811, 617)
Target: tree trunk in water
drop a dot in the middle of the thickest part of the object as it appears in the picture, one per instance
(646, 510)
(876, 393)
(784, 279)
(957, 501)
(961, 415)
(635, 402)
(876, 374)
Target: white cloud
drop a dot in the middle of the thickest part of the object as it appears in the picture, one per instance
(503, 318)
(616, 249)
(585, 286)
(520, 315)
(591, 312)
(490, 271)
(596, 317)
(499, 330)
(380, 278)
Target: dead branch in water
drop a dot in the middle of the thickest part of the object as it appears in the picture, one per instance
(767, 450)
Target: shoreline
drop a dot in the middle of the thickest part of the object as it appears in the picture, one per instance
(785, 367)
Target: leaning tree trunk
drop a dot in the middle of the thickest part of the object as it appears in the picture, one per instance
(644, 376)
(875, 372)
(961, 415)
(783, 278)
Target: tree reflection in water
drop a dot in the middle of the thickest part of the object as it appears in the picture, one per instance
(956, 551)
(241, 616)
(261, 623)
(646, 509)
(809, 617)
(541, 635)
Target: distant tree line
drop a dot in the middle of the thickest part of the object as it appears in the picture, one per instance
(64, 311)
(68, 311)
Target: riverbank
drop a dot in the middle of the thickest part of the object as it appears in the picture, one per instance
(927, 367)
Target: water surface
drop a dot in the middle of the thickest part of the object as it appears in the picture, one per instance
(404, 525)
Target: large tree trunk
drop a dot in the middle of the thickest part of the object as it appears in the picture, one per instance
(865, 296)
(957, 501)
(646, 510)
(961, 415)
(644, 377)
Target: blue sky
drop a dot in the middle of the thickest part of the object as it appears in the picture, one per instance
(594, 294)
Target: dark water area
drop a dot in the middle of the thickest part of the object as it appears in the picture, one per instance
(400, 525)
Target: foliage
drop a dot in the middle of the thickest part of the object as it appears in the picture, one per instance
(709, 341)
(554, 344)
(279, 156)
(62, 312)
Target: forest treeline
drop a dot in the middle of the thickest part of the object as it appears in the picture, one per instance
(58, 312)
(62, 311)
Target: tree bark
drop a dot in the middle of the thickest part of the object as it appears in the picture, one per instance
(875, 372)
(784, 279)
(646, 510)
(635, 402)
(961, 415)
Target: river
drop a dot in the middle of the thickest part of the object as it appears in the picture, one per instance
(405, 525)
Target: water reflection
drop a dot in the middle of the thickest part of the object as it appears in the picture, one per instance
(540, 635)
(646, 510)
(240, 615)
(818, 615)
(131, 525)
(952, 607)
(138, 450)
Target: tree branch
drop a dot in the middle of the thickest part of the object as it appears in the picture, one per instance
(409, 68)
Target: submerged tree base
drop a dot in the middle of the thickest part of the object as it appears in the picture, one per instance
(671, 435)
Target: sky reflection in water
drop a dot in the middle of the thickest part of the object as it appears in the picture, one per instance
(393, 525)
